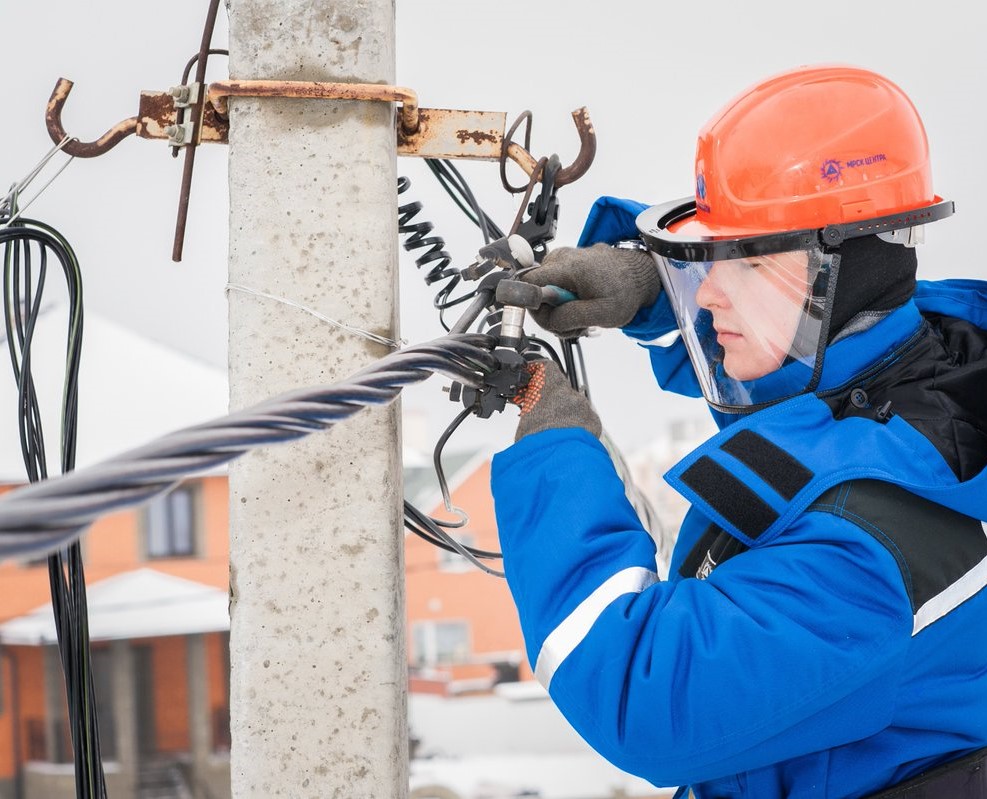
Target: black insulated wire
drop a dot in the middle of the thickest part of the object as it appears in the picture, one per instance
(27, 247)
(434, 261)
(459, 190)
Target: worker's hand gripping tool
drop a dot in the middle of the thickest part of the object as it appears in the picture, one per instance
(511, 254)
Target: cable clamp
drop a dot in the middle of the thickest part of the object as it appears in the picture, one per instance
(180, 135)
(185, 96)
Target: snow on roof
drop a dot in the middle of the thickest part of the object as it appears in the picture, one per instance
(144, 603)
(131, 391)
(421, 484)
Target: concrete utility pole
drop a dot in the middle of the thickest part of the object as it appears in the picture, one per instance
(319, 672)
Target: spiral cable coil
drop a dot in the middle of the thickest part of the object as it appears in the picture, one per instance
(435, 261)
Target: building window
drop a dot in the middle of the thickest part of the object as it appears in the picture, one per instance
(439, 643)
(453, 561)
(169, 524)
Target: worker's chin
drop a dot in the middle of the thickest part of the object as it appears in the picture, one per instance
(745, 365)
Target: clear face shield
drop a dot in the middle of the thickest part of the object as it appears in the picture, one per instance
(753, 326)
(754, 308)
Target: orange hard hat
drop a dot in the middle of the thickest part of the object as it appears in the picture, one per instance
(810, 147)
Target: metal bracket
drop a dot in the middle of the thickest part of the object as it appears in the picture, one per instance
(185, 96)
(422, 132)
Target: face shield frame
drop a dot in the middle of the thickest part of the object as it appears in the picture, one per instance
(654, 225)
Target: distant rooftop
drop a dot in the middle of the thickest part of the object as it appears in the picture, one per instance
(131, 391)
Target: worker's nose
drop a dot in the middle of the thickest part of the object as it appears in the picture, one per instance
(710, 293)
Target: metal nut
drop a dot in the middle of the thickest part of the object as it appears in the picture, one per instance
(180, 93)
(175, 133)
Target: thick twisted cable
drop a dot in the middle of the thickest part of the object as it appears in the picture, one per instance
(43, 517)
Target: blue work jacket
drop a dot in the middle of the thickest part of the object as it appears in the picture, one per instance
(821, 631)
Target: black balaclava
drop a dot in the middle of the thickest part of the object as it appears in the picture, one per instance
(874, 275)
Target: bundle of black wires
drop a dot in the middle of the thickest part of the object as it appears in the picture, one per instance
(28, 248)
(437, 263)
(458, 189)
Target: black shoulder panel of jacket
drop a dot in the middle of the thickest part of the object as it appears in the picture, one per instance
(738, 503)
(937, 549)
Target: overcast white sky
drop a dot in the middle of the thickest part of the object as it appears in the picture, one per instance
(650, 74)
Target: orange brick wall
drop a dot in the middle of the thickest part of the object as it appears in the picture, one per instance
(7, 719)
(482, 599)
(218, 676)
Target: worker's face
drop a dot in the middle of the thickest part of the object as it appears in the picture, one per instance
(756, 304)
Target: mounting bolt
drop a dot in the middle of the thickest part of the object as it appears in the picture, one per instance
(179, 134)
(185, 95)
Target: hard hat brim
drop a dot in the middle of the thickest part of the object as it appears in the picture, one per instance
(673, 230)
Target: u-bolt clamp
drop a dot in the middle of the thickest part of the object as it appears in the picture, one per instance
(220, 92)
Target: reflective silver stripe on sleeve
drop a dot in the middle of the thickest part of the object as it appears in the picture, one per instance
(665, 340)
(954, 596)
(569, 634)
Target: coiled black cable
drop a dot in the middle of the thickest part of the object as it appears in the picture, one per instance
(27, 247)
(435, 261)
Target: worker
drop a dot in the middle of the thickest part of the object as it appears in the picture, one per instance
(822, 629)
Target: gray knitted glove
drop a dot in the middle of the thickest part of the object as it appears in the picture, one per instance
(548, 402)
(611, 284)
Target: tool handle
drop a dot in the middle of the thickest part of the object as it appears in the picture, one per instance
(519, 294)
(554, 295)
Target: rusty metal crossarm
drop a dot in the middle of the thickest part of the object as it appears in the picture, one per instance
(423, 132)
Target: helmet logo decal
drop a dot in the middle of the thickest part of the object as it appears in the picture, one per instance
(701, 203)
(832, 170)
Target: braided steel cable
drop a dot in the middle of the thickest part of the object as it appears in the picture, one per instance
(43, 517)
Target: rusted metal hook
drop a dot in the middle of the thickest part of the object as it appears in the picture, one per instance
(74, 147)
(569, 174)
(587, 149)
